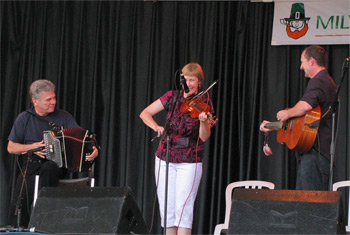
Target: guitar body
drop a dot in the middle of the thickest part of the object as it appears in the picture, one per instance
(296, 134)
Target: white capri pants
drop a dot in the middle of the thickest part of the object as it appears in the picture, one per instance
(182, 177)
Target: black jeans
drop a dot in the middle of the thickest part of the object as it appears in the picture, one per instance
(313, 172)
(49, 173)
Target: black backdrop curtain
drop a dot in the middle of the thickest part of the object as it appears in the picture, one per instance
(110, 59)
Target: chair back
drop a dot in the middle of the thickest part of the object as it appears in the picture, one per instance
(252, 184)
(341, 184)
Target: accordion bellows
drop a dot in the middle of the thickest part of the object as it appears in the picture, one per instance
(68, 147)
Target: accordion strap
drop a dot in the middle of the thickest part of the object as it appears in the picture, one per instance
(42, 119)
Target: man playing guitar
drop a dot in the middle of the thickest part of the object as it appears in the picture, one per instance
(313, 165)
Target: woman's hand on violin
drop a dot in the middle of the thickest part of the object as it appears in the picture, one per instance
(204, 127)
(203, 117)
(159, 130)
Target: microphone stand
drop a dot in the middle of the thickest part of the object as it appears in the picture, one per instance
(166, 183)
(166, 134)
(18, 210)
(334, 108)
(166, 129)
(332, 149)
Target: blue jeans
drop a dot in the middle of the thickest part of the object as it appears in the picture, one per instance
(313, 172)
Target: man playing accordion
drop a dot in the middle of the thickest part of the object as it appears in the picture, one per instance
(26, 137)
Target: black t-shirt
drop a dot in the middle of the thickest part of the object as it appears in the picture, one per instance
(29, 129)
(321, 90)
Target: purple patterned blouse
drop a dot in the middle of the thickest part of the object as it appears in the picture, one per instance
(183, 132)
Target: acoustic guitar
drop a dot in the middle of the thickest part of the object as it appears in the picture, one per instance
(297, 133)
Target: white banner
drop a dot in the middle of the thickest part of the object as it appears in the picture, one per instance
(311, 22)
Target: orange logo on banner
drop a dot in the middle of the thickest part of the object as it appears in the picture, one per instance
(297, 24)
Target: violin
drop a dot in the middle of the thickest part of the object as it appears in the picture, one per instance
(194, 107)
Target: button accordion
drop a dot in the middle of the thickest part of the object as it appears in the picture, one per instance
(68, 147)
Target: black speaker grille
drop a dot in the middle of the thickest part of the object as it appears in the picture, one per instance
(254, 213)
(87, 210)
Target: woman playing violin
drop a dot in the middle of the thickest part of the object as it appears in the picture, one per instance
(186, 145)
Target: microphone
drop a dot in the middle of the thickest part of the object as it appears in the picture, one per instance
(183, 82)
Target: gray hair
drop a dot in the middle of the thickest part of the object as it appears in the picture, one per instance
(38, 86)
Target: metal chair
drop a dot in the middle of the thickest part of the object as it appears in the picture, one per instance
(253, 184)
(341, 184)
(86, 180)
(76, 182)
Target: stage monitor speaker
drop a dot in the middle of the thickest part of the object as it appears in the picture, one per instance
(265, 211)
(96, 210)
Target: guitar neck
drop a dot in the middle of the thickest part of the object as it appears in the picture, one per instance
(298, 133)
(274, 125)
